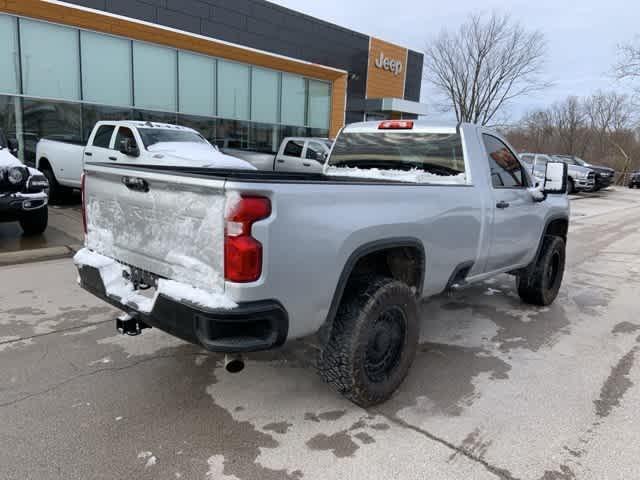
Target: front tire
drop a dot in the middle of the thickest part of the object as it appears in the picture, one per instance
(35, 222)
(57, 193)
(373, 341)
(540, 283)
(571, 187)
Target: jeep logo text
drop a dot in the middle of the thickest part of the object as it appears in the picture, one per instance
(385, 63)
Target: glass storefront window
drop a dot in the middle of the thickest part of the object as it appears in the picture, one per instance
(106, 69)
(265, 86)
(152, 116)
(293, 99)
(232, 134)
(49, 119)
(233, 90)
(206, 126)
(154, 76)
(319, 104)
(9, 70)
(91, 114)
(197, 77)
(264, 138)
(50, 60)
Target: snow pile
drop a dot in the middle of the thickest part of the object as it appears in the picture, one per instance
(412, 176)
(117, 286)
(537, 192)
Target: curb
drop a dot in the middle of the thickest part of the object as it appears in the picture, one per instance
(38, 255)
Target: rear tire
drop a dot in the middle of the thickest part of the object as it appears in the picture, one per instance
(35, 222)
(373, 340)
(57, 193)
(540, 283)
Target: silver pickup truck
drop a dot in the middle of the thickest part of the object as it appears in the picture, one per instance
(239, 261)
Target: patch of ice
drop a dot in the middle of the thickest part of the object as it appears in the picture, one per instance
(151, 461)
(103, 361)
(144, 454)
(413, 176)
(119, 418)
(216, 469)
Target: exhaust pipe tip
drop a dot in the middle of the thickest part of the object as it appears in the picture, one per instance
(233, 363)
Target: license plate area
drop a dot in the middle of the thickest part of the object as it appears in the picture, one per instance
(141, 279)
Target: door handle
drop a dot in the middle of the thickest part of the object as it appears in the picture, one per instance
(502, 204)
(280, 160)
(88, 154)
(113, 158)
(306, 164)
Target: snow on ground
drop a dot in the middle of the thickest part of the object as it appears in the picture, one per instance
(413, 176)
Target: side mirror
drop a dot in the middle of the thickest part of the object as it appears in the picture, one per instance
(128, 147)
(555, 181)
(13, 145)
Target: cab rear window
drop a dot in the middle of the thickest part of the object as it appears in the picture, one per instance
(432, 153)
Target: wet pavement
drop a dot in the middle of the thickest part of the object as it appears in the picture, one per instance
(65, 228)
(498, 389)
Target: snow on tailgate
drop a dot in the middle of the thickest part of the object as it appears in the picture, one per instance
(173, 230)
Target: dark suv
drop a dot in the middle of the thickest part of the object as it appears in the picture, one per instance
(604, 175)
(23, 193)
(635, 180)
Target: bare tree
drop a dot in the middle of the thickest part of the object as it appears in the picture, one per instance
(569, 122)
(628, 66)
(484, 65)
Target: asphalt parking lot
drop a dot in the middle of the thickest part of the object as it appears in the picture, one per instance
(498, 389)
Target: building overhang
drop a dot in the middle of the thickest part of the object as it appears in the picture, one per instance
(389, 104)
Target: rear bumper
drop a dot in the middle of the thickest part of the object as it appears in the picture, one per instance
(250, 327)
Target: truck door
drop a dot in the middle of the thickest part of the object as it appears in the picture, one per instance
(289, 158)
(515, 227)
(97, 149)
(314, 156)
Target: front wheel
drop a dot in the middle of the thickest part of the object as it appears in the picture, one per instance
(35, 222)
(540, 283)
(571, 187)
(373, 341)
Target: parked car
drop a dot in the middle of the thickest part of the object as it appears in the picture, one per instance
(245, 261)
(635, 180)
(296, 154)
(23, 193)
(604, 175)
(140, 143)
(580, 179)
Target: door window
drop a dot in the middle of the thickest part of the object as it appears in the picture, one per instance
(316, 152)
(294, 148)
(506, 170)
(103, 136)
(124, 133)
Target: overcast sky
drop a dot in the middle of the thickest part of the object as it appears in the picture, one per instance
(582, 35)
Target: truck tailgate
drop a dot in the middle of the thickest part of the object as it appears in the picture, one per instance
(163, 223)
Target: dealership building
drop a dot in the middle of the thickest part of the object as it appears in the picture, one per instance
(245, 73)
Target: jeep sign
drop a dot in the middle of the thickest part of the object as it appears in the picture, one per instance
(385, 63)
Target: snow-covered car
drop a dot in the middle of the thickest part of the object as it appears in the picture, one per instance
(23, 193)
(130, 142)
(240, 261)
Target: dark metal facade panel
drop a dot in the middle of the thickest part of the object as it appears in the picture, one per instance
(413, 81)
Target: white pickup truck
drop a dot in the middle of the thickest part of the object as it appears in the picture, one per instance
(296, 154)
(128, 142)
(243, 261)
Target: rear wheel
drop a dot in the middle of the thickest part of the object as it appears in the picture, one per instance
(540, 283)
(57, 192)
(373, 341)
(35, 222)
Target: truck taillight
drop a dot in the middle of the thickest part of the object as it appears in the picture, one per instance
(396, 125)
(84, 206)
(242, 252)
